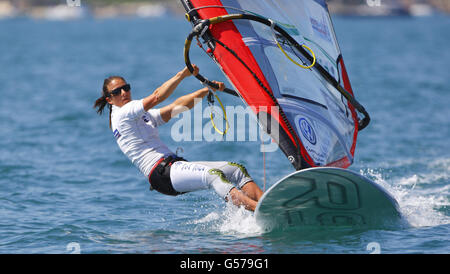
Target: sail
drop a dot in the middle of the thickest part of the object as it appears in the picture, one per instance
(315, 123)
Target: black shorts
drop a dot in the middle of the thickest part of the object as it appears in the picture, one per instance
(159, 177)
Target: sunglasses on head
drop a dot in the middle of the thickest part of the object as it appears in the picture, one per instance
(118, 90)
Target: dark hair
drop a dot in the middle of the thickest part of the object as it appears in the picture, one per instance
(101, 102)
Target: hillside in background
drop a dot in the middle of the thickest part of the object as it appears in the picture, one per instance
(60, 9)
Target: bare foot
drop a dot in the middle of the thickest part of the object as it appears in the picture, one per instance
(238, 198)
(252, 190)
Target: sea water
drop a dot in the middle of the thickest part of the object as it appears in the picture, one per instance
(66, 187)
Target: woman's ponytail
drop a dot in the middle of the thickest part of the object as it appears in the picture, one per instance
(100, 104)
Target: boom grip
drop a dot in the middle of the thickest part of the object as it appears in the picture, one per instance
(187, 60)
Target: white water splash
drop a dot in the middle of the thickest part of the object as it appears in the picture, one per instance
(236, 221)
(239, 221)
(419, 200)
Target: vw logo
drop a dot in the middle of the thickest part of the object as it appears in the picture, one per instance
(307, 131)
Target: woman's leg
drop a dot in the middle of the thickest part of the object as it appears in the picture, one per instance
(238, 175)
(221, 176)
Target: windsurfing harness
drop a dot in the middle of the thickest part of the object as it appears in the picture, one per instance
(283, 59)
(159, 177)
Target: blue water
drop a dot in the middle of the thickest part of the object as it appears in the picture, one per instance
(63, 179)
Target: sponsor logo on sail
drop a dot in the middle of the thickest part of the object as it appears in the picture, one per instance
(307, 131)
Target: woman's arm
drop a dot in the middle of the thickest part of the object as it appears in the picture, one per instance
(166, 89)
(186, 102)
